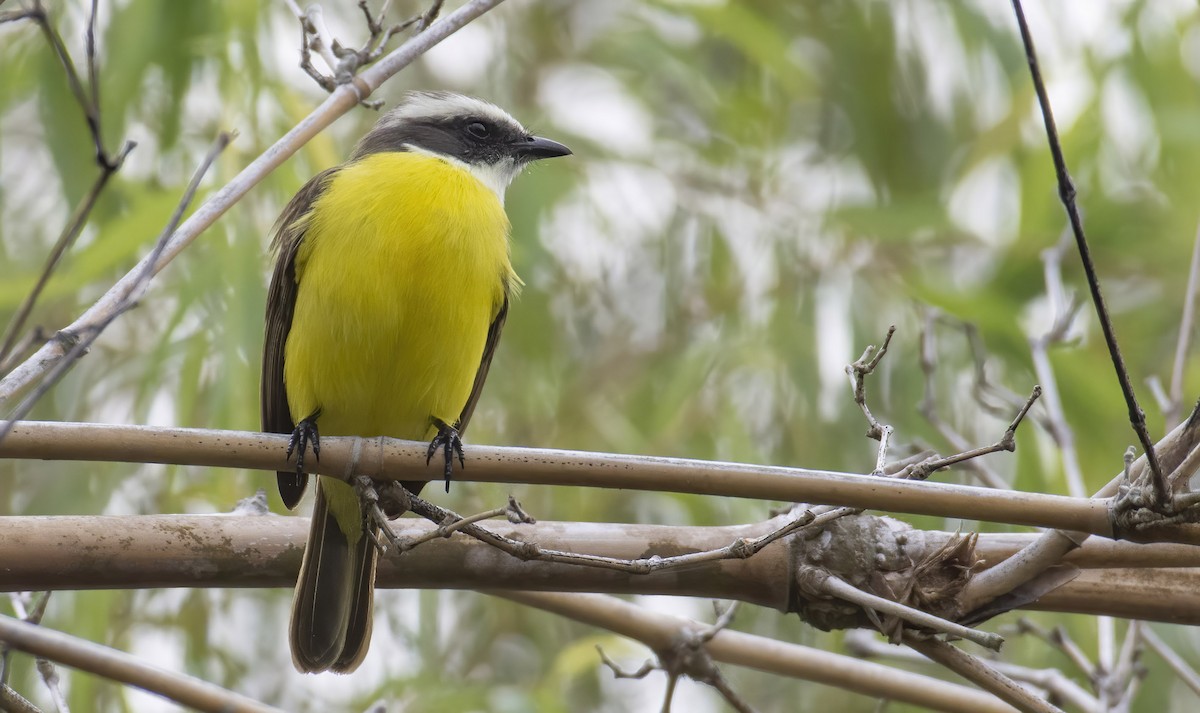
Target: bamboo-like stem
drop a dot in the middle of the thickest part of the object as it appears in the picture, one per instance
(119, 666)
(981, 674)
(391, 459)
(48, 553)
(1175, 452)
(658, 631)
(865, 644)
(1181, 668)
(340, 101)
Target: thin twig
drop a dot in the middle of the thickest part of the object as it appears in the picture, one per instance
(928, 407)
(687, 655)
(1061, 640)
(981, 674)
(89, 103)
(1007, 442)
(1182, 669)
(858, 371)
(657, 630)
(1066, 192)
(1063, 313)
(864, 644)
(822, 581)
(449, 522)
(82, 342)
(1186, 326)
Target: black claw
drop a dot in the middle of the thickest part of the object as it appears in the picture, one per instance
(448, 441)
(304, 435)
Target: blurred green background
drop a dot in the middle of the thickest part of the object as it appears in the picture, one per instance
(759, 189)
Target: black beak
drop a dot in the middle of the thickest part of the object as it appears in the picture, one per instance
(534, 148)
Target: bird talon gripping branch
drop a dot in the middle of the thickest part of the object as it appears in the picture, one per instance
(448, 440)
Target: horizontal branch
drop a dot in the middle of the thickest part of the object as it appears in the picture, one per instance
(391, 459)
(53, 553)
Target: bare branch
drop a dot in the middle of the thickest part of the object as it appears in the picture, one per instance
(863, 643)
(1137, 417)
(388, 459)
(858, 372)
(13, 702)
(836, 587)
(1185, 672)
(119, 666)
(1062, 318)
(83, 341)
(981, 674)
(89, 102)
(658, 630)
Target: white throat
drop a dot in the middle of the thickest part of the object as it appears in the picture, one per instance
(496, 176)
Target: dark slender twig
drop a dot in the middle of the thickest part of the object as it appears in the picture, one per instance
(1066, 192)
(89, 102)
(82, 342)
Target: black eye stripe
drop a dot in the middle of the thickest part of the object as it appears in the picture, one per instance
(479, 129)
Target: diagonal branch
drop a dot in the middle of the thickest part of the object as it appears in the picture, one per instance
(84, 341)
(120, 666)
(1066, 192)
(981, 674)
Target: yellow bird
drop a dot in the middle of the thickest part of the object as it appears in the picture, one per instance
(386, 304)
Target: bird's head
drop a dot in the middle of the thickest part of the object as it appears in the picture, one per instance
(474, 134)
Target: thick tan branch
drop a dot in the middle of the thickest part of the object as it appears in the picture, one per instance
(390, 459)
(41, 553)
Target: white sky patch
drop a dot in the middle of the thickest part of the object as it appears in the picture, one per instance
(589, 101)
(834, 348)
(1189, 49)
(987, 202)
(462, 59)
(750, 240)
(927, 30)
(992, 100)
(1128, 122)
(599, 238)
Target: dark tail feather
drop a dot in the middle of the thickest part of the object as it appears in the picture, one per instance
(331, 611)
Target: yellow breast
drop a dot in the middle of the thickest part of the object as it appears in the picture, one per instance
(403, 267)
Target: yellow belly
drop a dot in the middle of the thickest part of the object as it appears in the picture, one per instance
(404, 265)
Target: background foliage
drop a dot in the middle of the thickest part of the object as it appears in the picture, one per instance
(759, 190)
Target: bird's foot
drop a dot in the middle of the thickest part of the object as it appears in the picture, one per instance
(304, 435)
(446, 439)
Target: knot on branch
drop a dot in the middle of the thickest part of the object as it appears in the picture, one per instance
(885, 558)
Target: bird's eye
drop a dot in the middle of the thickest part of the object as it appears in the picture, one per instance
(478, 129)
